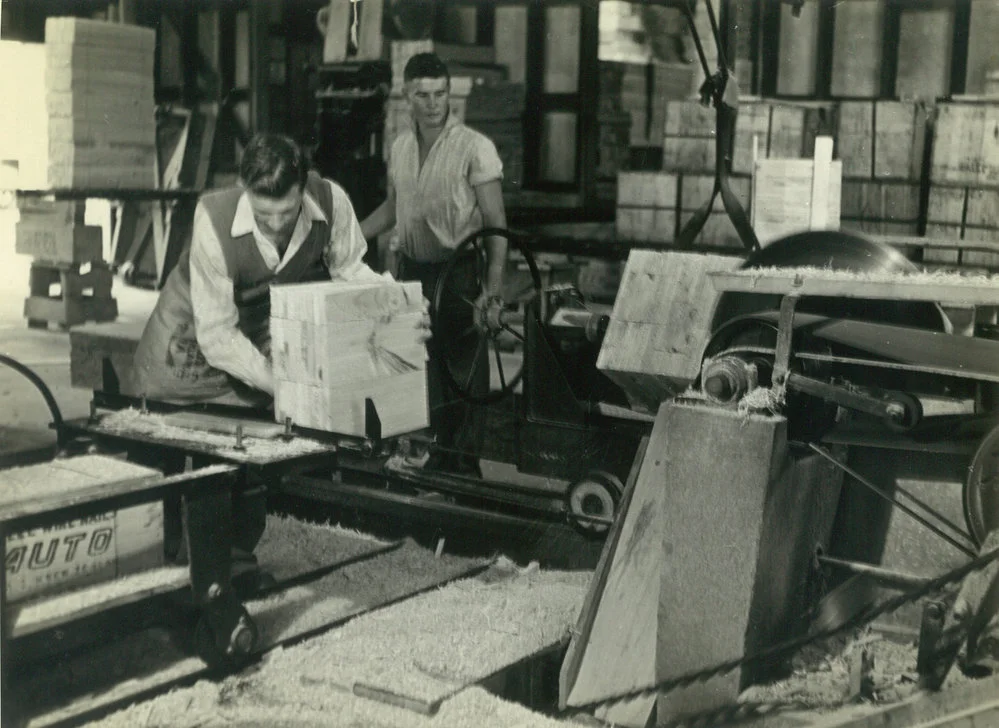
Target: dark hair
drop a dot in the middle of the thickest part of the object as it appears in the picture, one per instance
(272, 164)
(425, 65)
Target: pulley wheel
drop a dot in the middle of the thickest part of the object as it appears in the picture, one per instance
(981, 489)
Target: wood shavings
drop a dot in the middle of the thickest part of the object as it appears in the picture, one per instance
(976, 280)
(758, 400)
(290, 546)
(134, 422)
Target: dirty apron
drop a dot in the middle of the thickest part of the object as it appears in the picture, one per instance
(169, 364)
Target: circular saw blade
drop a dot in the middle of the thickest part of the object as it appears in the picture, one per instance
(835, 250)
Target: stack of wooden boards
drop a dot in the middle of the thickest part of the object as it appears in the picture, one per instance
(69, 282)
(99, 94)
(335, 345)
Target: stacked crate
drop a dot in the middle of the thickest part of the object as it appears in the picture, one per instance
(881, 144)
(779, 130)
(69, 283)
(646, 206)
(497, 110)
(964, 181)
(99, 95)
(614, 124)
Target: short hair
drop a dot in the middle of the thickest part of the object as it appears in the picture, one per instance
(425, 65)
(272, 164)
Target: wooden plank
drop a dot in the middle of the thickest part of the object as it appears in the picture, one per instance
(620, 651)
(690, 119)
(946, 205)
(819, 202)
(591, 604)
(38, 488)
(939, 287)
(787, 132)
(855, 138)
(369, 41)
(856, 59)
(899, 139)
(646, 189)
(983, 208)
(688, 154)
(661, 319)
(966, 145)
(41, 614)
(226, 425)
(57, 243)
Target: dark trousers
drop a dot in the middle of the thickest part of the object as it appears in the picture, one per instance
(456, 423)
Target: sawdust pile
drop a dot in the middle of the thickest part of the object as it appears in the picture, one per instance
(759, 400)
(290, 546)
(232, 704)
(427, 647)
(821, 674)
(946, 278)
(453, 636)
(134, 422)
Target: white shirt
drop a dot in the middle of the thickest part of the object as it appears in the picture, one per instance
(436, 206)
(216, 318)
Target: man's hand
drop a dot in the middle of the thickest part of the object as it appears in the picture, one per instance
(424, 333)
(488, 309)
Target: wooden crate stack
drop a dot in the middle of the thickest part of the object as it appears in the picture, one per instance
(881, 145)
(99, 95)
(497, 110)
(335, 345)
(689, 138)
(964, 181)
(69, 283)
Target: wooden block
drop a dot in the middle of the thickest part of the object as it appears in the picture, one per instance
(899, 140)
(66, 131)
(646, 189)
(769, 510)
(946, 205)
(76, 56)
(966, 145)
(69, 311)
(50, 559)
(59, 243)
(62, 104)
(880, 201)
(855, 138)
(660, 322)
(983, 208)
(335, 344)
(689, 119)
(93, 156)
(787, 129)
(86, 80)
(688, 154)
(782, 194)
(77, 31)
(752, 123)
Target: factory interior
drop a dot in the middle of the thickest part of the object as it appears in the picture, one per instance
(499, 363)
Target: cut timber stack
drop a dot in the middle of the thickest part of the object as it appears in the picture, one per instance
(660, 324)
(646, 206)
(881, 145)
(99, 94)
(781, 131)
(335, 345)
(689, 139)
(964, 181)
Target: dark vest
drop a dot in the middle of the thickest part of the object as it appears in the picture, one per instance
(169, 363)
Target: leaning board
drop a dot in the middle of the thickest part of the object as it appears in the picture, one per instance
(336, 344)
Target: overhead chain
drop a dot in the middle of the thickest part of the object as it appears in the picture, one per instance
(787, 648)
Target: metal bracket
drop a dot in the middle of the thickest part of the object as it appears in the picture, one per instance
(782, 353)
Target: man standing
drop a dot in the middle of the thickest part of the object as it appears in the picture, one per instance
(208, 338)
(444, 184)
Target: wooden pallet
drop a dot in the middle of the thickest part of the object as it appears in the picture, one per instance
(83, 295)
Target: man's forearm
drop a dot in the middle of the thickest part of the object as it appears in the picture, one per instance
(496, 248)
(378, 221)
